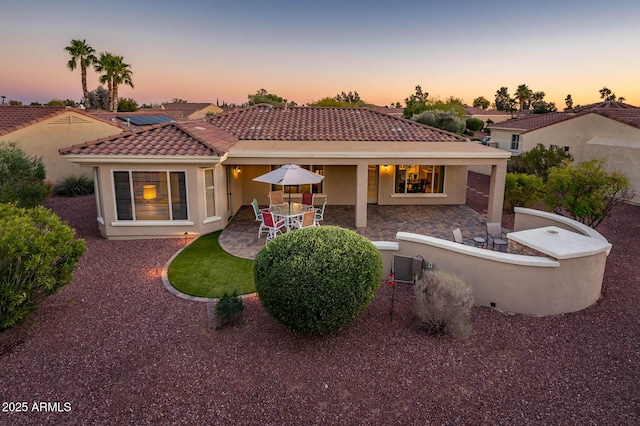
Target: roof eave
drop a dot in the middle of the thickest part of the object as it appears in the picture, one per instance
(142, 159)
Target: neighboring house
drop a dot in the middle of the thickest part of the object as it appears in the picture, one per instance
(192, 177)
(191, 111)
(485, 115)
(396, 112)
(136, 120)
(43, 130)
(608, 131)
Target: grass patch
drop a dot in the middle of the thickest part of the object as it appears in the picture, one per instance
(205, 269)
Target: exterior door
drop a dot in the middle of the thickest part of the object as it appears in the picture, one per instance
(372, 184)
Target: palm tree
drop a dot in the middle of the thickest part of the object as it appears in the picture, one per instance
(122, 75)
(106, 65)
(523, 94)
(81, 53)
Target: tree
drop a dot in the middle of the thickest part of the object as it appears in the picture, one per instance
(83, 54)
(568, 102)
(350, 98)
(543, 107)
(474, 124)
(522, 190)
(262, 96)
(608, 95)
(127, 105)
(481, 102)
(445, 120)
(539, 160)
(178, 101)
(122, 75)
(523, 96)
(21, 177)
(415, 103)
(115, 72)
(503, 100)
(586, 192)
(99, 99)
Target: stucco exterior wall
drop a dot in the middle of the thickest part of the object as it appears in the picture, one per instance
(197, 223)
(45, 138)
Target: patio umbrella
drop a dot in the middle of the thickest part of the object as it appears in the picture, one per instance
(290, 174)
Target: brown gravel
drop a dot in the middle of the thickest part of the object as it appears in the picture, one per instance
(121, 350)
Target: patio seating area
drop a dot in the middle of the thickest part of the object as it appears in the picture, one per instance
(383, 222)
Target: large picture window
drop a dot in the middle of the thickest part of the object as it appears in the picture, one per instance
(150, 195)
(419, 179)
(315, 188)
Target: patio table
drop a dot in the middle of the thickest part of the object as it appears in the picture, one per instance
(288, 212)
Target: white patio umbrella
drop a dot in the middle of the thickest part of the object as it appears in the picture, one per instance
(290, 174)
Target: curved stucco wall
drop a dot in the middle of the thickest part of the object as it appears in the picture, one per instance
(531, 285)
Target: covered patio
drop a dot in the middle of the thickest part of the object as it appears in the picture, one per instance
(383, 222)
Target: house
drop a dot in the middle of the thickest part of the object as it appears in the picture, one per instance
(43, 130)
(487, 115)
(173, 178)
(608, 131)
(191, 111)
(137, 119)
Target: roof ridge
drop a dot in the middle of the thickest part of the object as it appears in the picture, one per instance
(197, 138)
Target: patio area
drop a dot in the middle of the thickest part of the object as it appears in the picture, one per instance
(383, 222)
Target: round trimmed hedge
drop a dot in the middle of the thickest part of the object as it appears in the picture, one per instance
(319, 279)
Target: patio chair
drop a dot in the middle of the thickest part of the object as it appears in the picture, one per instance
(308, 219)
(258, 213)
(276, 198)
(457, 236)
(307, 200)
(495, 236)
(320, 212)
(274, 228)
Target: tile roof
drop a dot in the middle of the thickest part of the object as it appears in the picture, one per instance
(266, 122)
(112, 117)
(624, 113)
(532, 121)
(193, 138)
(187, 108)
(13, 118)
(480, 111)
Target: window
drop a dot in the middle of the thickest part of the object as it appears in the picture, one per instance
(150, 195)
(515, 142)
(419, 179)
(209, 193)
(566, 149)
(315, 188)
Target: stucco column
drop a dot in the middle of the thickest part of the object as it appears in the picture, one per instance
(496, 192)
(361, 195)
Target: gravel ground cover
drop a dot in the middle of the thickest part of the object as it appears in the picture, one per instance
(115, 347)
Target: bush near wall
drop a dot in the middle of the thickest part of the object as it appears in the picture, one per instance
(319, 279)
(73, 186)
(21, 177)
(38, 256)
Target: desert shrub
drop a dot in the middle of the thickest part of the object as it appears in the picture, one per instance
(227, 307)
(474, 124)
(21, 177)
(445, 120)
(73, 186)
(319, 279)
(539, 160)
(38, 255)
(443, 303)
(522, 190)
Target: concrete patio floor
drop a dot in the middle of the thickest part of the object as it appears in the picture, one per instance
(383, 222)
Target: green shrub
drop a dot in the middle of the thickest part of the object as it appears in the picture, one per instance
(522, 190)
(443, 303)
(21, 177)
(319, 279)
(73, 186)
(227, 307)
(474, 124)
(539, 160)
(38, 255)
(445, 120)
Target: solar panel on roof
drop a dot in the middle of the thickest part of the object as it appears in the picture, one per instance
(145, 120)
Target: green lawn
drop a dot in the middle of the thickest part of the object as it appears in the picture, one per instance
(204, 269)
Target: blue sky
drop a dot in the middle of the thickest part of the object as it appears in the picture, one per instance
(205, 51)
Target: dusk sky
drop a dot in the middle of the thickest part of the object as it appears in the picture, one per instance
(204, 51)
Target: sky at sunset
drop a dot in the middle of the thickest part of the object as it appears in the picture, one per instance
(204, 51)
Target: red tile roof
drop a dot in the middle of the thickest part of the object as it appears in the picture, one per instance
(194, 138)
(14, 118)
(618, 111)
(266, 122)
(532, 121)
(186, 108)
(479, 111)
